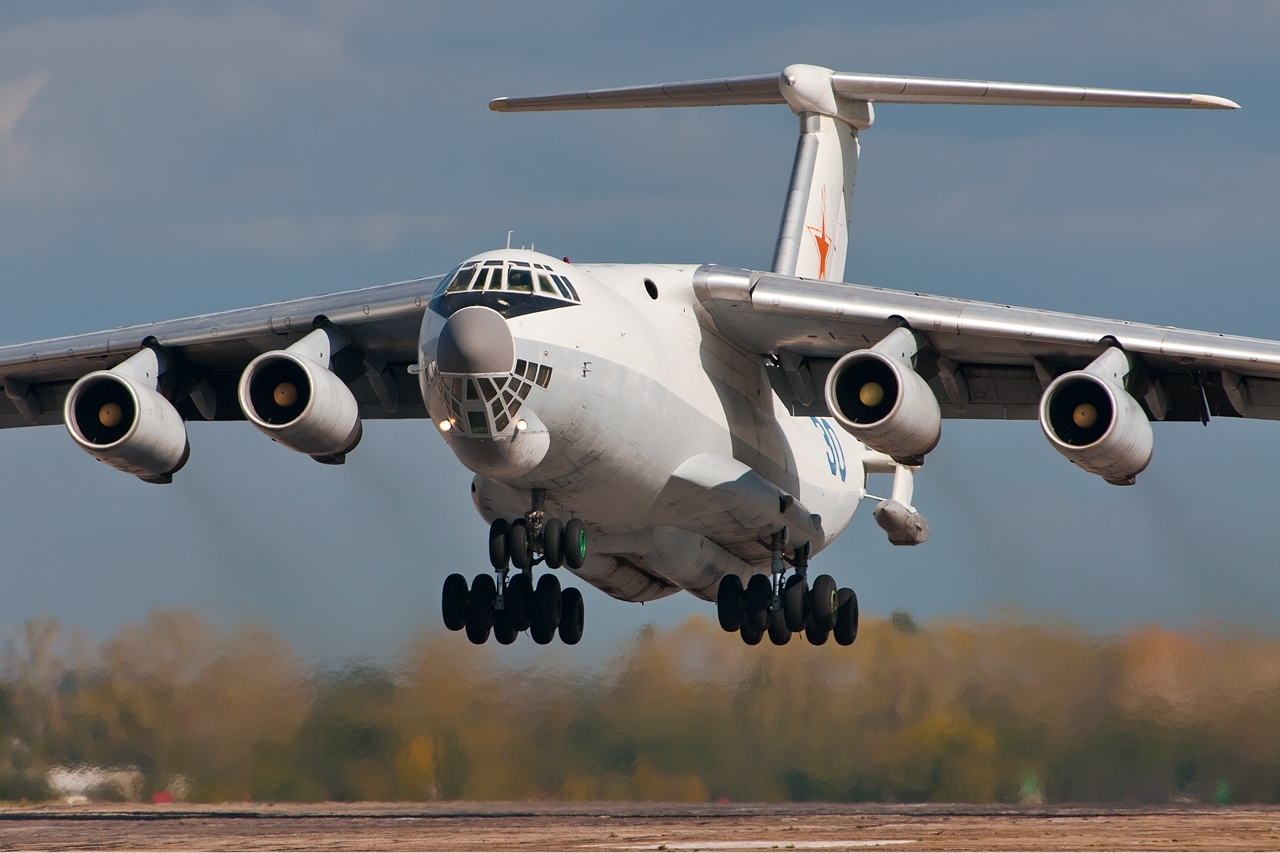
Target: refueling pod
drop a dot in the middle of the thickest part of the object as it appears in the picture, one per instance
(878, 397)
(292, 396)
(120, 418)
(1091, 419)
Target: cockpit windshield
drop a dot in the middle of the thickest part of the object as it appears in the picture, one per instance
(537, 280)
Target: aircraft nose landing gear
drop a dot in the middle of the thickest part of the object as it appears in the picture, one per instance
(508, 604)
(769, 605)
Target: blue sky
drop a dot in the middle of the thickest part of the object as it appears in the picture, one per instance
(159, 160)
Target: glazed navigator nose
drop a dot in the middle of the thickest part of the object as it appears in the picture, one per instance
(475, 340)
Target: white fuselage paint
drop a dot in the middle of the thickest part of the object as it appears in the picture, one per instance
(646, 411)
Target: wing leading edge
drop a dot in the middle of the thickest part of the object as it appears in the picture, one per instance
(984, 360)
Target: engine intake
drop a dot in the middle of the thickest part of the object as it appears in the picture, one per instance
(876, 396)
(118, 419)
(292, 397)
(1091, 419)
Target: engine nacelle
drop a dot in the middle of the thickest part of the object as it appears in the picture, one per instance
(879, 399)
(1090, 418)
(301, 404)
(121, 421)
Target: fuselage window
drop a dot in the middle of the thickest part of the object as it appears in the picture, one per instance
(472, 393)
(545, 285)
(460, 281)
(478, 284)
(495, 279)
(560, 283)
(520, 279)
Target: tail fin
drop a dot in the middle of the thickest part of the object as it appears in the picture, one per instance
(813, 240)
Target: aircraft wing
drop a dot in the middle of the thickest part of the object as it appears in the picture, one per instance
(212, 349)
(983, 360)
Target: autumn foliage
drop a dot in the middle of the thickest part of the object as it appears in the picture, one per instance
(951, 711)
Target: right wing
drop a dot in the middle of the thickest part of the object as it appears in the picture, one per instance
(383, 321)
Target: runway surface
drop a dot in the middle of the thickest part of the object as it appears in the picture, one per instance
(637, 826)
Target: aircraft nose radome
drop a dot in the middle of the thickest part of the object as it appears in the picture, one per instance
(475, 340)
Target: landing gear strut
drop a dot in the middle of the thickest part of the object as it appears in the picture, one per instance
(781, 606)
(507, 603)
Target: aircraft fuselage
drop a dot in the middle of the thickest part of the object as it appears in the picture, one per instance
(633, 414)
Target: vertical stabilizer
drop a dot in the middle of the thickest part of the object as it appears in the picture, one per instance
(833, 107)
(813, 240)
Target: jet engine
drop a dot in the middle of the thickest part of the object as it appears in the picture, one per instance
(120, 418)
(1091, 419)
(293, 397)
(878, 397)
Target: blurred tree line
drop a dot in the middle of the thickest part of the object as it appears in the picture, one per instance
(951, 711)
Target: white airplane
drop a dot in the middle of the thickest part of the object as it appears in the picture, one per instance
(656, 427)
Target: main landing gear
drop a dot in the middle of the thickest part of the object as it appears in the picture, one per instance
(768, 605)
(507, 603)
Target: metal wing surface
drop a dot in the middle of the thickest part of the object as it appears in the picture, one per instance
(985, 360)
(382, 321)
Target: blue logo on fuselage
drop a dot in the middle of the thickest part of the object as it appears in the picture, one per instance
(835, 452)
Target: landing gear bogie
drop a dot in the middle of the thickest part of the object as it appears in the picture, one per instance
(768, 605)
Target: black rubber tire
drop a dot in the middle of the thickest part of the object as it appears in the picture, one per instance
(575, 543)
(779, 632)
(573, 616)
(846, 630)
(822, 602)
(756, 601)
(553, 543)
(795, 602)
(503, 631)
(498, 543)
(480, 608)
(815, 636)
(750, 636)
(546, 610)
(729, 602)
(518, 545)
(519, 601)
(453, 602)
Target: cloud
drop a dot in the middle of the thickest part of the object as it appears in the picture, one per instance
(15, 98)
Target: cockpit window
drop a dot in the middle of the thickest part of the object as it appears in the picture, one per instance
(514, 277)
(520, 280)
(460, 280)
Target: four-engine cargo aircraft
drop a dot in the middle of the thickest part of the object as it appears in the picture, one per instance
(663, 427)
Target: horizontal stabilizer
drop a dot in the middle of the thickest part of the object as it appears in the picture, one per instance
(884, 89)
(726, 91)
(874, 88)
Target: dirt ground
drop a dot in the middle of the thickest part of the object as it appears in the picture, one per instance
(636, 826)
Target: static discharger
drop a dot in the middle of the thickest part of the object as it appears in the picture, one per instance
(285, 395)
(871, 394)
(110, 414)
(1085, 415)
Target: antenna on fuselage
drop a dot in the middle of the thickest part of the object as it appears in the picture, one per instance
(509, 233)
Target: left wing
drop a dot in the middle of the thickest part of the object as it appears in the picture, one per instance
(211, 350)
(983, 360)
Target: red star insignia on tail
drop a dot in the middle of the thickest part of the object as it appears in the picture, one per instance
(820, 237)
